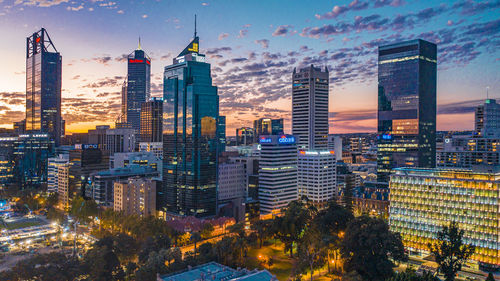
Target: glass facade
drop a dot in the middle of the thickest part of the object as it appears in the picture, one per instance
(152, 120)
(406, 106)
(32, 152)
(190, 136)
(423, 200)
(138, 89)
(43, 86)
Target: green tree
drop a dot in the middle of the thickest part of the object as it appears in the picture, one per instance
(83, 210)
(449, 251)
(310, 249)
(490, 277)
(195, 238)
(152, 244)
(101, 263)
(369, 248)
(262, 228)
(206, 231)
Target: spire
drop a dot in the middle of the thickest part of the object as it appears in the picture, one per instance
(139, 47)
(194, 25)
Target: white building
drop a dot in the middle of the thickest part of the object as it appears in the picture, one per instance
(58, 177)
(335, 144)
(232, 181)
(317, 176)
(120, 140)
(135, 196)
(155, 147)
(277, 172)
(487, 119)
(142, 159)
(310, 108)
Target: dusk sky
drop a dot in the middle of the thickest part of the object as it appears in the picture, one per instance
(253, 47)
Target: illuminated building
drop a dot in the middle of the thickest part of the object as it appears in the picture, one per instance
(231, 189)
(84, 160)
(317, 176)
(7, 161)
(138, 89)
(406, 106)
(190, 136)
(487, 119)
(277, 172)
(135, 196)
(120, 140)
(423, 200)
(222, 133)
(244, 136)
(152, 120)
(465, 152)
(32, 151)
(98, 136)
(143, 159)
(335, 144)
(155, 147)
(267, 126)
(310, 108)
(43, 86)
(54, 164)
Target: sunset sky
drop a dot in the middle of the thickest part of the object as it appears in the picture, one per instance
(253, 47)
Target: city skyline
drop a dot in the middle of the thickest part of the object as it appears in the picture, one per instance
(253, 59)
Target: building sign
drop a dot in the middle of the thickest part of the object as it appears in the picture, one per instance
(135, 61)
(265, 140)
(86, 146)
(286, 140)
(193, 47)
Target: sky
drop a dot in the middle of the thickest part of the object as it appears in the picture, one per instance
(253, 47)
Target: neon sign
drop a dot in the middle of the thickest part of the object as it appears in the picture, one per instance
(194, 47)
(135, 61)
(265, 140)
(284, 139)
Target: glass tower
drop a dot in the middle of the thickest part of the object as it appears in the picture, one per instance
(406, 106)
(43, 86)
(138, 88)
(190, 136)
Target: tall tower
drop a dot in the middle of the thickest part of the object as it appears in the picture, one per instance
(406, 106)
(43, 86)
(138, 86)
(487, 119)
(190, 136)
(310, 107)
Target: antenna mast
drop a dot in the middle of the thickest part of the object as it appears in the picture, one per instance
(194, 25)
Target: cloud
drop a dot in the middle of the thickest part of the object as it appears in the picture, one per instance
(115, 81)
(282, 30)
(383, 3)
(40, 3)
(460, 107)
(336, 11)
(205, 4)
(264, 43)
(469, 7)
(223, 35)
(78, 8)
(144, 16)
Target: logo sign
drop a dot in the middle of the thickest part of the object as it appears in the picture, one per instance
(286, 140)
(386, 137)
(265, 140)
(193, 48)
(135, 61)
(86, 146)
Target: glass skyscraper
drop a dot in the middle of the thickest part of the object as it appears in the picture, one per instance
(406, 106)
(138, 87)
(43, 86)
(190, 136)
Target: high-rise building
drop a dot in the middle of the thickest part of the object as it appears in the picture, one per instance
(466, 151)
(7, 161)
(424, 200)
(138, 89)
(84, 160)
(487, 119)
(221, 128)
(244, 136)
(335, 144)
(20, 127)
(232, 189)
(43, 86)
(152, 120)
(155, 147)
(54, 164)
(317, 176)
(406, 106)
(120, 140)
(143, 159)
(310, 107)
(32, 151)
(135, 196)
(190, 136)
(277, 172)
(267, 126)
(98, 136)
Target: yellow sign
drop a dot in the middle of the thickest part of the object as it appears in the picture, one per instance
(194, 47)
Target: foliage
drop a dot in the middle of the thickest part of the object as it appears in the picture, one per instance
(490, 277)
(368, 246)
(262, 229)
(410, 275)
(155, 243)
(206, 230)
(352, 276)
(310, 249)
(195, 238)
(450, 252)
(102, 263)
(83, 210)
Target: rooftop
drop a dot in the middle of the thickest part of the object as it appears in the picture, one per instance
(218, 272)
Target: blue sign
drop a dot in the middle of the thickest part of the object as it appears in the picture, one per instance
(287, 140)
(265, 140)
(386, 137)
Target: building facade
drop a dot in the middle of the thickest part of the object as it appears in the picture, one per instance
(317, 176)
(7, 161)
(32, 151)
(277, 172)
(245, 136)
(423, 200)
(43, 86)
(135, 196)
(152, 120)
(155, 147)
(310, 108)
(466, 151)
(138, 89)
(406, 106)
(85, 160)
(143, 159)
(190, 136)
(487, 119)
(54, 164)
(120, 140)
(267, 126)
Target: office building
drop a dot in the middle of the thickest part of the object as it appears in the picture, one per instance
(138, 89)
(244, 136)
(84, 160)
(424, 200)
(102, 183)
(310, 108)
(152, 120)
(487, 119)
(221, 128)
(43, 86)
(335, 144)
(267, 126)
(7, 161)
(54, 165)
(135, 196)
(143, 159)
(98, 136)
(406, 106)
(20, 127)
(155, 147)
(32, 151)
(232, 189)
(190, 145)
(465, 152)
(120, 140)
(317, 176)
(277, 172)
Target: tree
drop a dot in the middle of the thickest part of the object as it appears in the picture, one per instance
(449, 251)
(195, 238)
(101, 263)
(206, 231)
(310, 249)
(207, 252)
(261, 227)
(152, 244)
(368, 247)
(83, 209)
(289, 227)
(490, 277)
(410, 275)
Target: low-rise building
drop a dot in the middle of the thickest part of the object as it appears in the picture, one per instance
(135, 196)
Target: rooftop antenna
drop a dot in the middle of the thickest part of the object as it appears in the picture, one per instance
(487, 92)
(139, 48)
(194, 25)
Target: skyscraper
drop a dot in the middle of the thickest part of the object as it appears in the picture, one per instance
(267, 126)
(310, 107)
(43, 86)
(138, 89)
(190, 137)
(152, 120)
(487, 119)
(406, 106)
